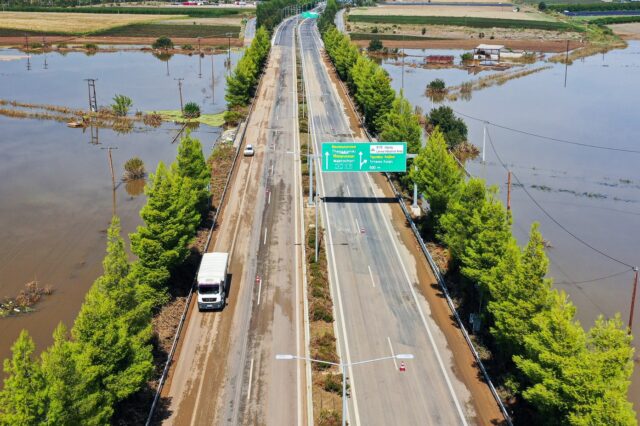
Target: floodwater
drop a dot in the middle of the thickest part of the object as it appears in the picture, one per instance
(55, 184)
(593, 194)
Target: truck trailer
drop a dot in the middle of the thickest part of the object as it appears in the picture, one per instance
(212, 281)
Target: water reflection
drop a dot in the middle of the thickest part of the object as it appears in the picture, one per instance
(135, 187)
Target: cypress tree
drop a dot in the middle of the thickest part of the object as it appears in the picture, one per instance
(437, 175)
(400, 124)
(23, 398)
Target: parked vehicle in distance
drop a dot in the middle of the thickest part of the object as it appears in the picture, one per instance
(212, 281)
(248, 151)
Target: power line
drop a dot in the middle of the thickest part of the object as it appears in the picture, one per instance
(577, 238)
(596, 279)
(549, 138)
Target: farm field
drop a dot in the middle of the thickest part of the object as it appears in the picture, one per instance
(70, 23)
(171, 30)
(502, 12)
(628, 31)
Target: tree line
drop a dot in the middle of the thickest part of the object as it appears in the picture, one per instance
(107, 355)
(243, 82)
(270, 13)
(566, 374)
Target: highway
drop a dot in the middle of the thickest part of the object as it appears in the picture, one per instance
(379, 308)
(226, 372)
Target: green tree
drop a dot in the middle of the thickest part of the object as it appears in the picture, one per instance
(162, 43)
(328, 17)
(112, 332)
(64, 388)
(602, 398)
(438, 176)
(171, 217)
(373, 92)
(456, 224)
(375, 45)
(190, 164)
(552, 348)
(489, 239)
(400, 124)
(23, 398)
(519, 291)
(191, 110)
(454, 129)
(121, 105)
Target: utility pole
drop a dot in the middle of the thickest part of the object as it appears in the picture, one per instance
(633, 296)
(566, 64)
(228, 35)
(198, 44)
(509, 191)
(26, 40)
(484, 139)
(113, 176)
(180, 91)
(93, 100)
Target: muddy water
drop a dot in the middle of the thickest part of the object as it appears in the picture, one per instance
(55, 185)
(593, 193)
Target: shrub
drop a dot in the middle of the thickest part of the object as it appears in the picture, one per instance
(234, 117)
(323, 348)
(466, 57)
(542, 6)
(191, 110)
(163, 42)
(329, 418)
(187, 47)
(320, 311)
(91, 46)
(374, 30)
(375, 45)
(153, 119)
(35, 45)
(121, 105)
(424, 31)
(437, 85)
(333, 383)
(134, 169)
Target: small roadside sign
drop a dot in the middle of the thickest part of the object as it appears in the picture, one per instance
(364, 157)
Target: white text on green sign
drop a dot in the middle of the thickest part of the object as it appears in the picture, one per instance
(364, 157)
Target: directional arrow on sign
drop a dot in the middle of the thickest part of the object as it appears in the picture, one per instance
(362, 163)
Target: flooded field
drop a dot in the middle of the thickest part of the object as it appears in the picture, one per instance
(592, 193)
(55, 181)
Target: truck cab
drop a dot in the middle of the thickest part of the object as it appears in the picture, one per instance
(212, 281)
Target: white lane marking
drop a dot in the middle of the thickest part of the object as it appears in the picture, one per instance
(265, 236)
(357, 226)
(392, 353)
(332, 264)
(348, 192)
(373, 282)
(259, 290)
(269, 200)
(250, 377)
(272, 166)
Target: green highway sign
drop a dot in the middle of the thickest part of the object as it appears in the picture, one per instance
(309, 15)
(364, 157)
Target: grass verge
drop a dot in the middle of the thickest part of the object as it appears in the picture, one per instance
(175, 115)
(466, 22)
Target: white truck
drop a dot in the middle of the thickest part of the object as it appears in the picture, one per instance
(212, 281)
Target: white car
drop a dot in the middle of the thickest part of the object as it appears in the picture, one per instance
(248, 151)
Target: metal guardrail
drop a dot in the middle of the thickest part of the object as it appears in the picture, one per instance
(435, 269)
(176, 338)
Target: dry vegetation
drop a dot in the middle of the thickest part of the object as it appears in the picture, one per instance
(464, 90)
(25, 300)
(72, 23)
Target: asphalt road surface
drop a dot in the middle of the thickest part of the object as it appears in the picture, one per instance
(380, 311)
(226, 372)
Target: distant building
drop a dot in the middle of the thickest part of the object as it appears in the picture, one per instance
(487, 52)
